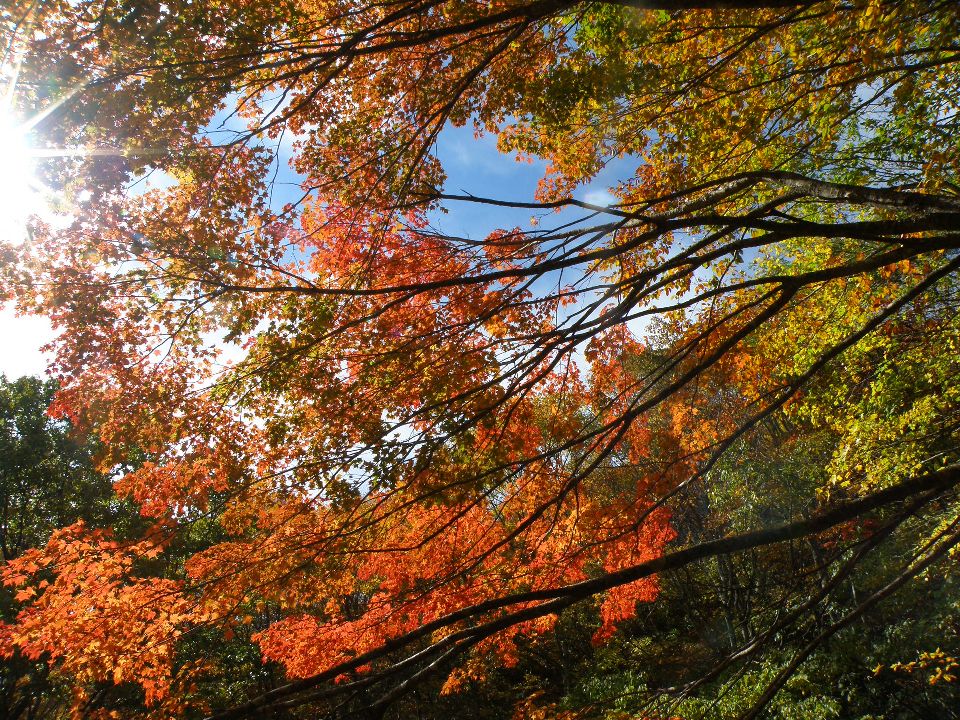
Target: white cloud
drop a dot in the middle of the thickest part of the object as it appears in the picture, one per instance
(20, 341)
(599, 197)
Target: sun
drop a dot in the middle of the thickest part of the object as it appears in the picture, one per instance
(21, 193)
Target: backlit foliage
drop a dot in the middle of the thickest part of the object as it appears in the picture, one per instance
(418, 449)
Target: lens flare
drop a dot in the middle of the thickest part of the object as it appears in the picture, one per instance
(21, 194)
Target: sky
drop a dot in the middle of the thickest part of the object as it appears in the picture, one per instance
(20, 341)
(473, 165)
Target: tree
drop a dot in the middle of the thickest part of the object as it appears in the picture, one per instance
(47, 480)
(433, 445)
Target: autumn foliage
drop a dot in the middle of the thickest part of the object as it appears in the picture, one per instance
(382, 453)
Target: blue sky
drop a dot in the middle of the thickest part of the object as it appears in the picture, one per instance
(473, 166)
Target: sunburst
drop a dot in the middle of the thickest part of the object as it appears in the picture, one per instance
(23, 196)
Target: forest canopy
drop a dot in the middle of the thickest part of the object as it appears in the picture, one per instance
(687, 452)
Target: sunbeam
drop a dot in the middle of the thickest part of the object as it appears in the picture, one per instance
(21, 193)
